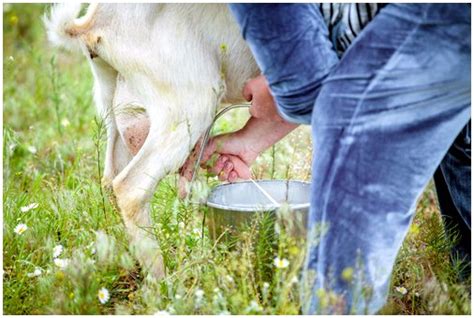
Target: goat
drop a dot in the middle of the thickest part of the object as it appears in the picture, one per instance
(168, 60)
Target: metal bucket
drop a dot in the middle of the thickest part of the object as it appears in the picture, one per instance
(235, 205)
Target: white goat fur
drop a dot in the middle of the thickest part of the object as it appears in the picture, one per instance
(168, 59)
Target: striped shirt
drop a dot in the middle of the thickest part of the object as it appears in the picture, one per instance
(346, 20)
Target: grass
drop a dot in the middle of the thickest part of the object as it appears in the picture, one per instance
(52, 155)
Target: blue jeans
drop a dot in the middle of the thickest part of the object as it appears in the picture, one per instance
(382, 123)
(453, 185)
(383, 119)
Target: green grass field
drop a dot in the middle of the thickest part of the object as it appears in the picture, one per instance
(52, 155)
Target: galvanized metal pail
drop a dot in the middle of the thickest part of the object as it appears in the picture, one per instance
(234, 205)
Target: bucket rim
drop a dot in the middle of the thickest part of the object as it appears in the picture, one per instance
(269, 207)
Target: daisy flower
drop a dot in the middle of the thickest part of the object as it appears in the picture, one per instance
(32, 149)
(28, 207)
(65, 122)
(61, 262)
(57, 250)
(103, 295)
(281, 263)
(20, 228)
(199, 293)
(402, 290)
(36, 273)
(294, 280)
(254, 306)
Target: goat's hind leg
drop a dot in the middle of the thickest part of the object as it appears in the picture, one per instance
(135, 186)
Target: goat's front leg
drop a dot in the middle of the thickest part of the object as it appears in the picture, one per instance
(163, 151)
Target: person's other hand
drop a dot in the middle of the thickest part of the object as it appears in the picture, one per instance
(263, 105)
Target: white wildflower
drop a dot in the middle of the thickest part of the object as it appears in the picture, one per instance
(265, 289)
(61, 262)
(178, 296)
(181, 225)
(294, 280)
(229, 279)
(65, 122)
(254, 307)
(21, 228)
(197, 232)
(103, 295)
(57, 250)
(402, 290)
(12, 147)
(29, 207)
(281, 263)
(32, 149)
(199, 293)
(11, 58)
(37, 272)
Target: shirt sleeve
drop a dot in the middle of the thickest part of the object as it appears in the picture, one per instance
(291, 45)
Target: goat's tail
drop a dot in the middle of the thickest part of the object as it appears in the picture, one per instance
(64, 27)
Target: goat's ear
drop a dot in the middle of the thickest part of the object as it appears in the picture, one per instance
(63, 27)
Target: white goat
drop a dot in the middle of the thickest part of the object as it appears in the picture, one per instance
(168, 59)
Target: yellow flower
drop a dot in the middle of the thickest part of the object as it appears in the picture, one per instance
(13, 20)
(59, 275)
(347, 274)
(281, 263)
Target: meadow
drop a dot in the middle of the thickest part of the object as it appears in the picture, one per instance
(64, 246)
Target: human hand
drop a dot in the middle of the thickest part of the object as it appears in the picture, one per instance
(229, 156)
(263, 105)
(226, 156)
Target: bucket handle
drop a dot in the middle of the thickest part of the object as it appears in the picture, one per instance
(205, 140)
